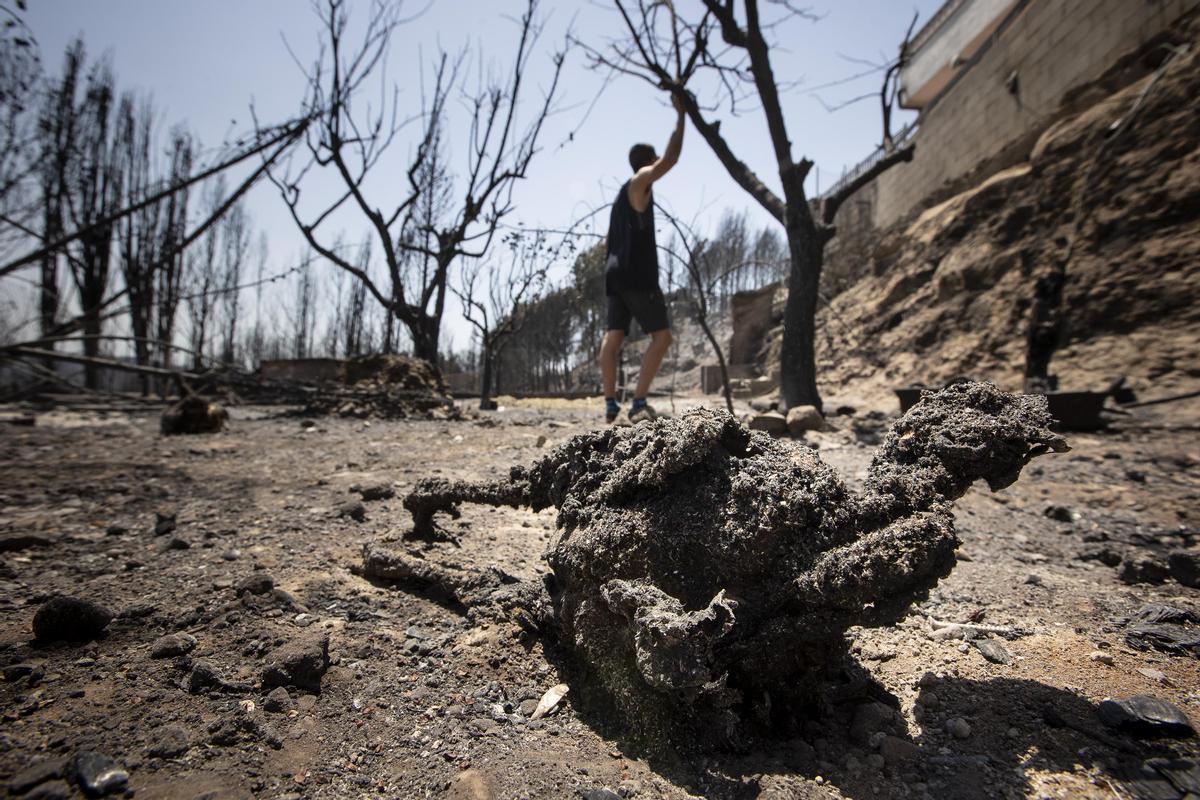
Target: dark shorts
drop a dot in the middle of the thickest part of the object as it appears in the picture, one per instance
(647, 306)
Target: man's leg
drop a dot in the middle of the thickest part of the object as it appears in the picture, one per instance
(610, 351)
(660, 341)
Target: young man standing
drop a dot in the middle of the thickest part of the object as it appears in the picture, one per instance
(631, 274)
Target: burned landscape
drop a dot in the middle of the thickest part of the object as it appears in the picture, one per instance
(913, 513)
(221, 558)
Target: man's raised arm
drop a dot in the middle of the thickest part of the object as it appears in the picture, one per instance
(649, 174)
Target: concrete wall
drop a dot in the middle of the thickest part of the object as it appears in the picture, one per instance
(1052, 46)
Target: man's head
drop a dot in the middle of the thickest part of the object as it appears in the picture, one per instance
(642, 155)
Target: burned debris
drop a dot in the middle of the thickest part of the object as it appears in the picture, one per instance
(705, 574)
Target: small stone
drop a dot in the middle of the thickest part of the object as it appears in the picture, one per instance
(176, 543)
(98, 775)
(172, 644)
(278, 701)
(1033, 579)
(896, 750)
(772, 422)
(958, 727)
(12, 542)
(869, 718)
(1185, 567)
(929, 700)
(354, 509)
(485, 724)
(804, 418)
(876, 761)
(373, 492)
(1155, 675)
(1142, 568)
(527, 707)
(300, 663)
(541, 441)
(599, 794)
(1059, 513)
(258, 583)
(1145, 715)
(1105, 555)
(1100, 657)
(204, 676)
(70, 619)
(164, 523)
(170, 741)
(993, 651)
(116, 530)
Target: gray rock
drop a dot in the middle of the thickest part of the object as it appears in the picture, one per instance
(300, 663)
(170, 741)
(98, 775)
(1145, 715)
(868, 719)
(354, 509)
(772, 422)
(1142, 568)
(599, 794)
(527, 707)
(71, 619)
(1059, 513)
(375, 491)
(278, 700)
(203, 677)
(172, 644)
(12, 542)
(258, 583)
(993, 651)
(897, 751)
(164, 523)
(1185, 567)
(958, 727)
(804, 418)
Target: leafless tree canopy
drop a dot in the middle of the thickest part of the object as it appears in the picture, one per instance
(442, 213)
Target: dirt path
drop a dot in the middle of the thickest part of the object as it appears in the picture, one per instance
(420, 702)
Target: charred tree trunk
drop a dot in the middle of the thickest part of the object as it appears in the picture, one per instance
(485, 379)
(424, 332)
(797, 358)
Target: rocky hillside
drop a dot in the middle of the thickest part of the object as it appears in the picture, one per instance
(949, 292)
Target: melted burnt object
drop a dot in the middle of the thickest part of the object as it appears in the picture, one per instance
(705, 575)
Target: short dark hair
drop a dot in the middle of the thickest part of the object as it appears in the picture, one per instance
(641, 155)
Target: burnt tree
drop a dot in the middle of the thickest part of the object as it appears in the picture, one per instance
(494, 300)
(669, 52)
(441, 214)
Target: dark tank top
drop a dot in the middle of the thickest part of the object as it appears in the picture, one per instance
(632, 262)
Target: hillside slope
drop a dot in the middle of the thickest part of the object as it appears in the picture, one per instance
(949, 293)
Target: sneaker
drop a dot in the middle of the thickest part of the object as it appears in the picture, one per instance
(611, 411)
(644, 411)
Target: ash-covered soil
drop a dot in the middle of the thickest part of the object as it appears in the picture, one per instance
(257, 570)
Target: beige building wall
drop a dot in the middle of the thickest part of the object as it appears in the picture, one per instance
(1051, 46)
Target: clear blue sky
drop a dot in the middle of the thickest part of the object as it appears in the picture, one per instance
(206, 61)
